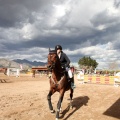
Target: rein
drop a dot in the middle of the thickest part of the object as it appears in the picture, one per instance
(57, 70)
(51, 78)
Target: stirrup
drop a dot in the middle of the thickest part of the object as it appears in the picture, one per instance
(72, 85)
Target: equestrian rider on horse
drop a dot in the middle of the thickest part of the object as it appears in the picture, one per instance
(65, 63)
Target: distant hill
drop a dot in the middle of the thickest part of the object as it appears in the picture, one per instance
(29, 63)
(16, 63)
(8, 63)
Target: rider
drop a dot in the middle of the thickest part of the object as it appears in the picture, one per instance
(65, 63)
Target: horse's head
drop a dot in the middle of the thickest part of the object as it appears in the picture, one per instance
(52, 59)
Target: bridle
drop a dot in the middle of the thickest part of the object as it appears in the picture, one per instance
(52, 63)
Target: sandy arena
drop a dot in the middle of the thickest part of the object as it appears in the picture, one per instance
(25, 98)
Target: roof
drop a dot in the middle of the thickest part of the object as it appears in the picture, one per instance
(40, 68)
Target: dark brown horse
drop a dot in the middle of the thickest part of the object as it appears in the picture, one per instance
(58, 82)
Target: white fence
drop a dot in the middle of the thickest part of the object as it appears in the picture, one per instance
(80, 77)
(117, 79)
(13, 72)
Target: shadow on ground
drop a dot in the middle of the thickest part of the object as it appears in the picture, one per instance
(5, 81)
(114, 110)
(77, 104)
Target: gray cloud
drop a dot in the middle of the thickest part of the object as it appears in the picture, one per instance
(117, 3)
(84, 28)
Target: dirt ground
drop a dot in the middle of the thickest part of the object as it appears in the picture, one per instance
(25, 98)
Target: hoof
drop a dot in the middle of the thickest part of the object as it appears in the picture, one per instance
(61, 111)
(71, 107)
(52, 111)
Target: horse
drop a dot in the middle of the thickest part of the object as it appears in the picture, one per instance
(58, 82)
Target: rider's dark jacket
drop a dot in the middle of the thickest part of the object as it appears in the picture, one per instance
(64, 60)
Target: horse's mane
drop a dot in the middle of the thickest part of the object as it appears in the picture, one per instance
(52, 51)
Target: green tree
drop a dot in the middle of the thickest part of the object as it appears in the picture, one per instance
(87, 63)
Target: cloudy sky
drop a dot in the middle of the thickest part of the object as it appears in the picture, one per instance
(83, 28)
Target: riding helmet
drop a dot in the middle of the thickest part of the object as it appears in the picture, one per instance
(58, 47)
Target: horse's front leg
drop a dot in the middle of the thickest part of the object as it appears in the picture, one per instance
(59, 105)
(49, 101)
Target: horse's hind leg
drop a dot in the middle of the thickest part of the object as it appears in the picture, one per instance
(71, 96)
(49, 101)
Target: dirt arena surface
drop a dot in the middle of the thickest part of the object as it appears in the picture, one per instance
(25, 98)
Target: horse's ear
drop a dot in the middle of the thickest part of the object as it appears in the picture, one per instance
(49, 49)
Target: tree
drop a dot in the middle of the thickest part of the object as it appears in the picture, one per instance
(87, 63)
